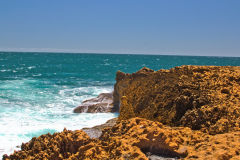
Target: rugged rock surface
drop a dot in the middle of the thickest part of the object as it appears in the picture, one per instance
(102, 103)
(132, 139)
(57, 146)
(205, 98)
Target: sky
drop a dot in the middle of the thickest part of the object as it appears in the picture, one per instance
(165, 27)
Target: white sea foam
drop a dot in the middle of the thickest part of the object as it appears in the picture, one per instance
(21, 127)
(27, 111)
(106, 64)
(31, 67)
(5, 70)
(37, 75)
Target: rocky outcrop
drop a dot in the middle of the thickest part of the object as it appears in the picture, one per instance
(57, 146)
(205, 98)
(135, 138)
(102, 103)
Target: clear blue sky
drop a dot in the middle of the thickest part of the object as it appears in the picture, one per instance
(186, 27)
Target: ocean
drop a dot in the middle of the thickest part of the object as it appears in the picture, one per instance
(38, 91)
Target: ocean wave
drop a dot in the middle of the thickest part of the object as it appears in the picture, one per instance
(31, 67)
(91, 90)
(16, 130)
(5, 70)
(37, 75)
(20, 68)
(31, 107)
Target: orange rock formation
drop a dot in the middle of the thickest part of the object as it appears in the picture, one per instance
(132, 139)
(203, 98)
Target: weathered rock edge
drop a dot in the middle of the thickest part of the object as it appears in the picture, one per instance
(96, 131)
(205, 98)
(132, 139)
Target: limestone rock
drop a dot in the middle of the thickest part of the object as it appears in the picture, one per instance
(199, 97)
(57, 146)
(134, 138)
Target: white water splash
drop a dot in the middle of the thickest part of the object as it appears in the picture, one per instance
(27, 110)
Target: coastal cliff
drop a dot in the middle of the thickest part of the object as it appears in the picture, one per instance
(205, 98)
(187, 112)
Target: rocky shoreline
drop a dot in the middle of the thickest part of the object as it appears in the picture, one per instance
(187, 112)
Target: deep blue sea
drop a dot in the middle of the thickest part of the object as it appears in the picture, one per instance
(38, 91)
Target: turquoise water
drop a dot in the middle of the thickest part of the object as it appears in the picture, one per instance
(38, 91)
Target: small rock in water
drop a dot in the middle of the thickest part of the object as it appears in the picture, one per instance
(102, 103)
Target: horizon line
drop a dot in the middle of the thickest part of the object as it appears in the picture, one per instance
(117, 53)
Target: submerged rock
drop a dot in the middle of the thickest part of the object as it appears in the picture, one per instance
(199, 97)
(102, 103)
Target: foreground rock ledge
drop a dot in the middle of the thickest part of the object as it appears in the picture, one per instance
(132, 139)
(205, 98)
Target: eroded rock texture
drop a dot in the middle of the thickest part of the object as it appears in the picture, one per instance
(199, 97)
(57, 146)
(132, 139)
